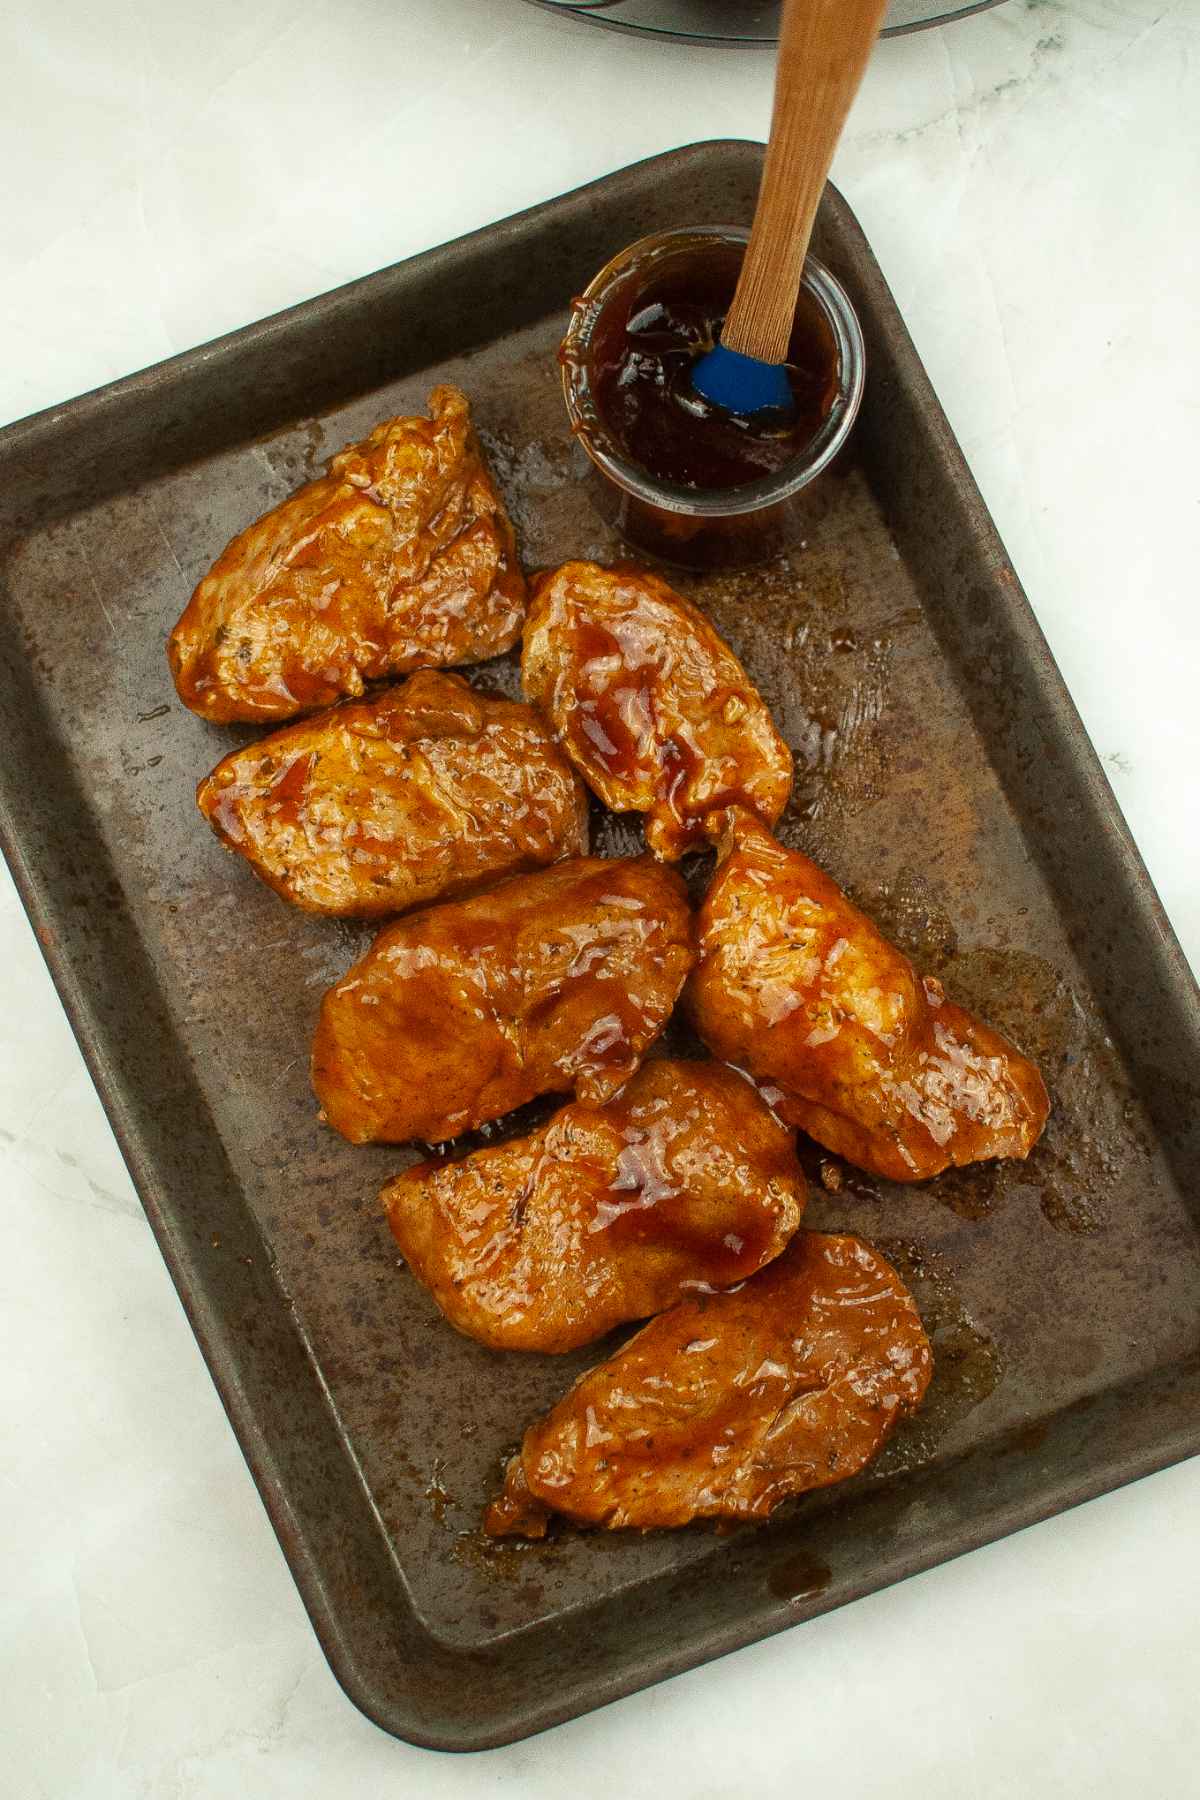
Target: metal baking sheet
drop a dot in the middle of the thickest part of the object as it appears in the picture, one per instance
(943, 776)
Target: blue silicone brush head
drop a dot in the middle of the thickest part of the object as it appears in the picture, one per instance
(741, 384)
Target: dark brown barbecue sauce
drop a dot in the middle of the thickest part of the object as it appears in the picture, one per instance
(641, 366)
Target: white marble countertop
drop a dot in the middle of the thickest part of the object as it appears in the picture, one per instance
(1030, 180)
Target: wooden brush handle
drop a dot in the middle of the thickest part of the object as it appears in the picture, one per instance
(823, 50)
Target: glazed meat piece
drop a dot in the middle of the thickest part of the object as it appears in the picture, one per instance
(730, 1403)
(655, 711)
(608, 1213)
(551, 983)
(423, 791)
(848, 1042)
(402, 557)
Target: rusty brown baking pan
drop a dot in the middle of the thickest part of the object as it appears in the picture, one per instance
(943, 775)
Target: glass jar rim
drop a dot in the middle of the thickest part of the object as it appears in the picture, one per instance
(751, 496)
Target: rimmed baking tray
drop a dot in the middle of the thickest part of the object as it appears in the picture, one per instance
(943, 776)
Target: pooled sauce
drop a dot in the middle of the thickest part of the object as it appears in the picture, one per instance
(799, 1577)
(643, 352)
(617, 718)
(606, 707)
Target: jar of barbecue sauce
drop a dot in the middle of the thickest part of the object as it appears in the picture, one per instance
(680, 479)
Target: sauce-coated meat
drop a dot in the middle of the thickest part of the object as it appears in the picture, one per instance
(551, 983)
(402, 557)
(653, 708)
(848, 1042)
(730, 1403)
(608, 1213)
(424, 791)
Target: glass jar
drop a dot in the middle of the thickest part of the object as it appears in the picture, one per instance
(701, 528)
